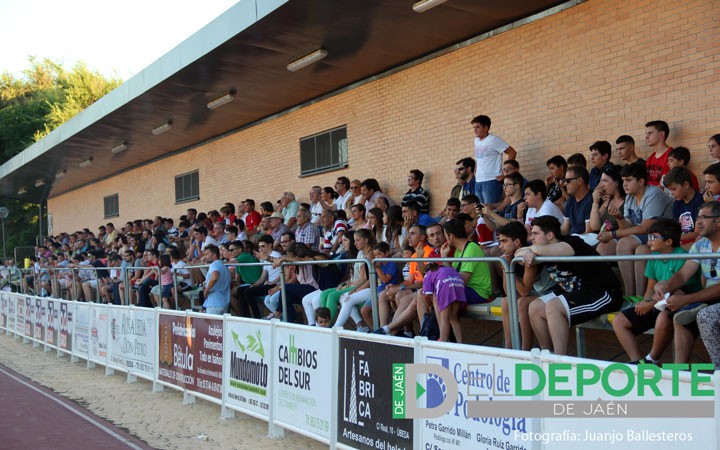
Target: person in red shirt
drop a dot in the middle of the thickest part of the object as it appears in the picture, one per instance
(656, 133)
(251, 217)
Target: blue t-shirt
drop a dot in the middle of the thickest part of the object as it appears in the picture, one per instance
(425, 220)
(389, 268)
(578, 212)
(219, 295)
(686, 213)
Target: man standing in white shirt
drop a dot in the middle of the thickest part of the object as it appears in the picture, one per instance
(488, 153)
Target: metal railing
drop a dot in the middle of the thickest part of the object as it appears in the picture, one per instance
(508, 269)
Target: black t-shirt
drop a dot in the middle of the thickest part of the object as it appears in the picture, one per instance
(573, 276)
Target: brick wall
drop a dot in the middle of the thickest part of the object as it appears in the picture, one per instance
(592, 72)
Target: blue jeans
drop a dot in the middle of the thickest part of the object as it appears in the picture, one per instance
(488, 191)
(217, 310)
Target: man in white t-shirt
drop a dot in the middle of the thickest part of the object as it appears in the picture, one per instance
(537, 203)
(488, 153)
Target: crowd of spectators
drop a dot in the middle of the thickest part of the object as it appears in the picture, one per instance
(637, 207)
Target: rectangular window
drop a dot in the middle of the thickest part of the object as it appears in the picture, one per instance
(324, 151)
(187, 187)
(112, 208)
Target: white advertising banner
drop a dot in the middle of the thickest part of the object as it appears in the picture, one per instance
(52, 311)
(98, 333)
(248, 352)
(82, 330)
(65, 338)
(20, 315)
(303, 374)
(3, 310)
(132, 340)
(11, 312)
(478, 377)
(39, 319)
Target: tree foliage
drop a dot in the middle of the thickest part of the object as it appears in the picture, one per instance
(31, 106)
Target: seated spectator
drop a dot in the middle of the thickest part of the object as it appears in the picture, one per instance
(557, 167)
(512, 187)
(608, 202)
(714, 147)
(344, 194)
(250, 217)
(278, 227)
(465, 176)
(511, 166)
(417, 192)
(600, 154)
(149, 277)
(536, 203)
(708, 225)
(307, 232)
(289, 208)
(412, 215)
(403, 295)
(370, 191)
(580, 200)
(245, 302)
(327, 198)
(625, 146)
(687, 201)
(664, 237)
(577, 159)
(352, 300)
(216, 290)
(394, 232)
(333, 227)
(443, 287)
(470, 208)
(451, 210)
(375, 223)
(583, 291)
(316, 204)
(387, 275)
(475, 275)
(712, 182)
(680, 157)
(330, 298)
(656, 133)
(643, 205)
(357, 217)
(531, 282)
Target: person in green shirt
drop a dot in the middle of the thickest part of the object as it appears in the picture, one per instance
(663, 238)
(242, 252)
(476, 275)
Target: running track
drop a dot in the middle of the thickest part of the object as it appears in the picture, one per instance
(33, 417)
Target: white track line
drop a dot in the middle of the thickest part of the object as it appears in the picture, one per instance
(70, 408)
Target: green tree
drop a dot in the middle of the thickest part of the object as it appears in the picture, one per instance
(31, 106)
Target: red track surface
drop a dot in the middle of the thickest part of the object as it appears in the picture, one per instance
(33, 417)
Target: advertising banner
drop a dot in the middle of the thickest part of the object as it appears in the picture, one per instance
(98, 333)
(3, 310)
(20, 315)
(132, 340)
(191, 354)
(65, 339)
(478, 378)
(249, 380)
(11, 312)
(365, 396)
(39, 319)
(82, 330)
(29, 317)
(303, 372)
(51, 316)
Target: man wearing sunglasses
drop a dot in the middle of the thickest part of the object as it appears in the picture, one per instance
(686, 327)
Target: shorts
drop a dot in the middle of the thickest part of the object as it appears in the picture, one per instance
(586, 304)
(641, 324)
(473, 298)
(166, 291)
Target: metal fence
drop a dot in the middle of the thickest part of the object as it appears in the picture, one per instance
(509, 268)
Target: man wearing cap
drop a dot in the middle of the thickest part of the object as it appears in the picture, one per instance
(277, 227)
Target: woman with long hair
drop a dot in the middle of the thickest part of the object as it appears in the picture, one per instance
(351, 300)
(393, 232)
(608, 201)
